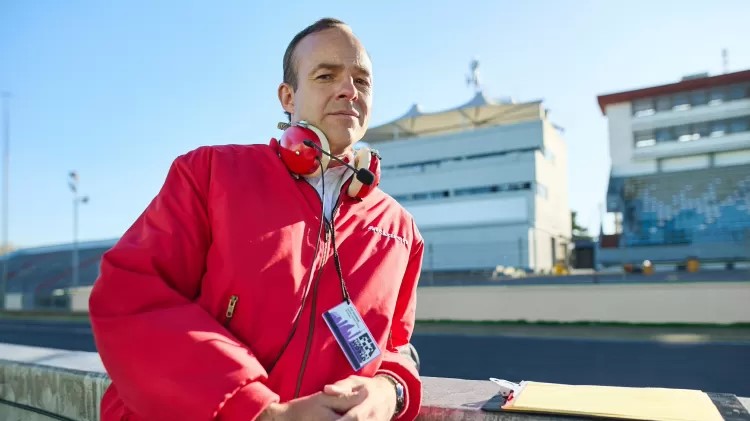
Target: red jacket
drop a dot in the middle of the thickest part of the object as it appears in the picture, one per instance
(231, 221)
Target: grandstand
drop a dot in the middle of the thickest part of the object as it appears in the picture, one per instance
(37, 278)
(707, 206)
(680, 180)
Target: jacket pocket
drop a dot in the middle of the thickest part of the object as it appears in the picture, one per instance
(231, 308)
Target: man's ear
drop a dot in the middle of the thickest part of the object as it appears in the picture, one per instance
(286, 97)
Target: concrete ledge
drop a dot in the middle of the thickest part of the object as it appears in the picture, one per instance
(662, 303)
(42, 384)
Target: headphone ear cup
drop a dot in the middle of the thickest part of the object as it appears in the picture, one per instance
(299, 158)
(369, 160)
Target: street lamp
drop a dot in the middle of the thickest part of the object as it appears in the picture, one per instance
(73, 184)
(6, 162)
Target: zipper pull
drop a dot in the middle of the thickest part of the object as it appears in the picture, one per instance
(328, 232)
(230, 309)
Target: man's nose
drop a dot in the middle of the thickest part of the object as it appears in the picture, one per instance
(347, 89)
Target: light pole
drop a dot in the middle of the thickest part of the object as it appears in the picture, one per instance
(6, 162)
(73, 183)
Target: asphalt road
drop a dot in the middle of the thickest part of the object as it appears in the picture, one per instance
(714, 365)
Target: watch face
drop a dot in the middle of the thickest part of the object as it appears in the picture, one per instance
(399, 397)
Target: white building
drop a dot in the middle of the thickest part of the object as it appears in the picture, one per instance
(487, 183)
(680, 177)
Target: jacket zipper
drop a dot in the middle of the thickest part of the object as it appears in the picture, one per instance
(230, 309)
(311, 328)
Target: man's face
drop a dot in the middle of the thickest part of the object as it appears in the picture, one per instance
(334, 86)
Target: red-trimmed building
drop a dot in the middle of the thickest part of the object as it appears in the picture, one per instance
(680, 178)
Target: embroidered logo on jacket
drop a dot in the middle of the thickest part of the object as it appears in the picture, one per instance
(389, 235)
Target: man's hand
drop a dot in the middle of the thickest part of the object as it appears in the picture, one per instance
(316, 407)
(377, 397)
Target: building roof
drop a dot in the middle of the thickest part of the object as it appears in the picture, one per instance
(480, 111)
(82, 245)
(686, 84)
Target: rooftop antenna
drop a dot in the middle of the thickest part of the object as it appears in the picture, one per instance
(725, 59)
(473, 77)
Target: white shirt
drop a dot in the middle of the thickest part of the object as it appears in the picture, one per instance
(334, 179)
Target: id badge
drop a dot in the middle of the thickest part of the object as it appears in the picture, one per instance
(352, 334)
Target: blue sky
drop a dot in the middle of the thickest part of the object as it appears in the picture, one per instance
(117, 89)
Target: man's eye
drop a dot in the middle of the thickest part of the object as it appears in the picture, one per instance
(365, 82)
(325, 77)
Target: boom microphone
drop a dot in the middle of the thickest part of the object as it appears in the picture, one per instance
(364, 175)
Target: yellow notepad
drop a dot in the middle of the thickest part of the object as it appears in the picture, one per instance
(655, 404)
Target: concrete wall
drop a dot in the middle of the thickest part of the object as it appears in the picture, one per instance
(478, 246)
(730, 142)
(540, 249)
(683, 163)
(68, 388)
(633, 303)
(621, 145)
(472, 211)
(41, 384)
(511, 168)
(485, 230)
(732, 158)
(79, 298)
(471, 142)
(553, 212)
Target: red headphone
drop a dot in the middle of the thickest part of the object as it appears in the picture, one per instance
(302, 160)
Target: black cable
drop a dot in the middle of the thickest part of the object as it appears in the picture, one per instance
(337, 263)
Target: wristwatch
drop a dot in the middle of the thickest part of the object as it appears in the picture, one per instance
(400, 393)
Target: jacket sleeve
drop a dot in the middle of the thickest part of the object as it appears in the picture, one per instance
(167, 356)
(395, 363)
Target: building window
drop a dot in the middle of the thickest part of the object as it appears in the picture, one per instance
(718, 128)
(473, 190)
(643, 107)
(438, 194)
(739, 125)
(717, 96)
(644, 139)
(686, 100)
(701, 130)
(698, 98)
(690, 132)
(493, 188)
(663, 103)
(680, 102)
(663, 135)
(737, 92)
(683, 133)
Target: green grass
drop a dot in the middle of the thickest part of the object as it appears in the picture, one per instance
(44, 315)
(84, 317)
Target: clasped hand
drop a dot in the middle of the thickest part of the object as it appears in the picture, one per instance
(350, 399)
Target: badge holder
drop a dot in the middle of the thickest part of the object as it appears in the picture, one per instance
(352, 334)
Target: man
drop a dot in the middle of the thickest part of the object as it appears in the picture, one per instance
(208, 307)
